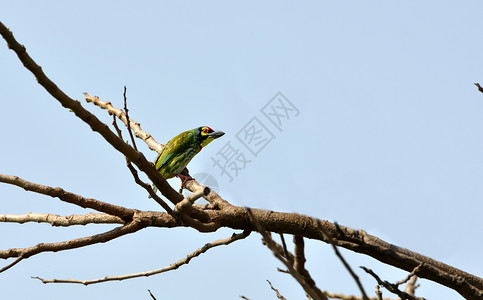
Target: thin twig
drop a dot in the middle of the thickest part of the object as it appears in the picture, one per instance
(13, 263)
(279, 296)
(151, 294)
(390, 287)
(174, 266)
(331, 240)
(413, 273)
(480, 88)
(290, 258)
(128, 121)
(352, 297)
(149, 189)
(378, 292)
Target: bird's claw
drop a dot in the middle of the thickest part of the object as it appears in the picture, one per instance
(184, 179)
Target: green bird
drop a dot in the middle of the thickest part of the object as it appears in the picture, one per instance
(179, 151)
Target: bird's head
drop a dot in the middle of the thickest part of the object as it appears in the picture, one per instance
(206, 135)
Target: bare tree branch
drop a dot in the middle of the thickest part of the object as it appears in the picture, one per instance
(136, 127)
(279, 296)
(173, 266)
(13, 263)
(72, 244)
(480, 88)
(128, 121)
(152, 296)
(411, 286)
(122, 212)
(391, 287)
(410, 275)
(57, 220)
(378, 292)
(23, 253)
(314, 293)
(299, 262)
(341, 258)
(299, 254)
(188, 201)
(351, 297)
(470, 286)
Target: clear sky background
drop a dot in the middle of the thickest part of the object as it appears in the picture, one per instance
(388, 138)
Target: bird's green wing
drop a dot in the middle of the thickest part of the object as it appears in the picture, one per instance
(175, 146)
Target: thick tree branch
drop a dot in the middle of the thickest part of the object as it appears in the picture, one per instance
(470, 286)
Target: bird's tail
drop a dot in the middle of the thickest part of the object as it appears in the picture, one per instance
(155, 189)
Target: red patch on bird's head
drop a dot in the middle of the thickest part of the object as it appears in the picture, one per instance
(206, 130)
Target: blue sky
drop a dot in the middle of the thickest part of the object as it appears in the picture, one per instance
(388, 138)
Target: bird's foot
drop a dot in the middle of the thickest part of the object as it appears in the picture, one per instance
(184, 179)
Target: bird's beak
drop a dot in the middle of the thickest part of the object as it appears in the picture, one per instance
(216, 134)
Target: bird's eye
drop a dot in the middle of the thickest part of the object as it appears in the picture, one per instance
(207, 130)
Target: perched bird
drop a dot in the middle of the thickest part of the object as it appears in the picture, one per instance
(179, 151)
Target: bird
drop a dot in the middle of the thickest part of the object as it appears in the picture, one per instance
(178, 152)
